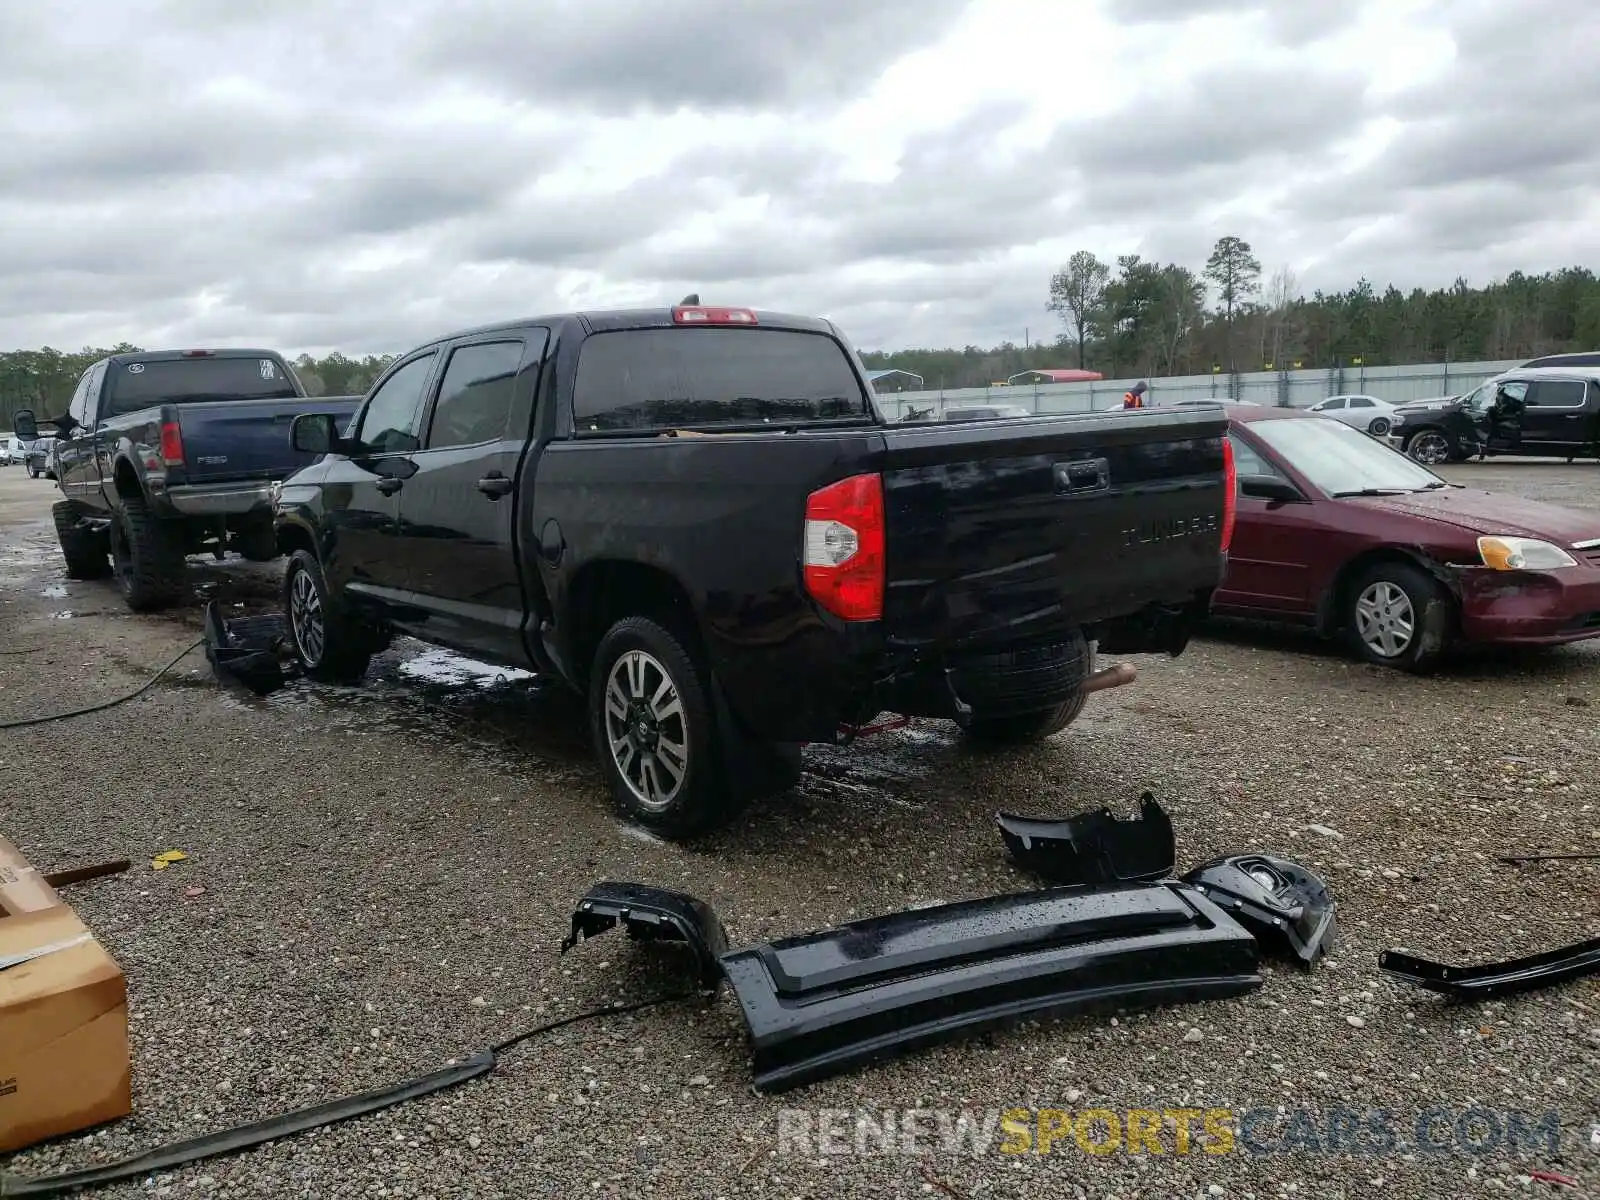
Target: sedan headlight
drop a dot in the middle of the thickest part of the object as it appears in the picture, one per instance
(1505, 553)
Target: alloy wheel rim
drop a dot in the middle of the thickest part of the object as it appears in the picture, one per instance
(1429, 448)
(305, 618)
(647, 730)
(1385, 619)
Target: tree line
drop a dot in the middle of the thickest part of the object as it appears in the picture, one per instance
(1137, 318)
(1129, 318)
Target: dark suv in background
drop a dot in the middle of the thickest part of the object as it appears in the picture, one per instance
(1551, 412)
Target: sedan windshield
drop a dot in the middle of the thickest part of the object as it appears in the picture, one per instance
(1343, 461)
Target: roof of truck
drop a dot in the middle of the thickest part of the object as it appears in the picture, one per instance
(611, 319)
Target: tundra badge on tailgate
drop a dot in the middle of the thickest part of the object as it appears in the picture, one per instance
(1166, 529)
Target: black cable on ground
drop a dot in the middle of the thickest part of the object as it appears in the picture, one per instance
(244, 1137)
(105, 704)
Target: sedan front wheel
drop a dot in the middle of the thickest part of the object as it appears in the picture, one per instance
(1397, 615)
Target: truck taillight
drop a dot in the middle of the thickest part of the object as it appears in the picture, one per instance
(1230, 492)
(171, 444)
(700, 314)
(844, 547)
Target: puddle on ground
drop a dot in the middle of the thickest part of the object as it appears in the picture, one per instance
(64, 615)
(452, 670)
(56, 591)
(27, 556)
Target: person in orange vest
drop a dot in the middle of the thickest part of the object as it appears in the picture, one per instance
(1135, 397)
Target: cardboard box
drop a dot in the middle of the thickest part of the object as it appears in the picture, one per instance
(63, 1017)
(22, 888)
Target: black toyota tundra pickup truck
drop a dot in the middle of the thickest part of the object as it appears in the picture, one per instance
(163, 454)
(699, 519)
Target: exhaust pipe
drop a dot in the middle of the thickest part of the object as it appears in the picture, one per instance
(1110, 677)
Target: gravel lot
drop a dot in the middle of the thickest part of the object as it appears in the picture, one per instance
(387, 873)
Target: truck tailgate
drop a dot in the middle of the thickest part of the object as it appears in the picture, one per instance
(1000, 531)
(247, 439)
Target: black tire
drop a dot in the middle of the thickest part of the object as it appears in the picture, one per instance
(1379, 427)
(1397, 615)
(661, 757)
(1431, 446)
(999, 688)
(331, 648)
(33, 471)
(85, 550)
(149, 557)
(258, 543)
(1023, 728)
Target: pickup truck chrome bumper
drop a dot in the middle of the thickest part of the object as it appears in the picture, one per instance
(218, 499)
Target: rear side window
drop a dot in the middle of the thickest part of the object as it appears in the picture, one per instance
(136, 385)
(474, 402)
(1556, 393)
(668, 378)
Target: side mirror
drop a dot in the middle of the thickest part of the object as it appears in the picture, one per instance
(314, 433)
(24, 425)
(1268, 487)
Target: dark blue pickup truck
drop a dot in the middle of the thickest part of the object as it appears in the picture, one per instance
(163, 454)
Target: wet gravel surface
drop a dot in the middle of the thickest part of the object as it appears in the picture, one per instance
(388, 870)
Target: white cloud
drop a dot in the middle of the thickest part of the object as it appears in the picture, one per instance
(188, 171)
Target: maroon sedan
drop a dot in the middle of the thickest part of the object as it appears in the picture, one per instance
(1339, 532)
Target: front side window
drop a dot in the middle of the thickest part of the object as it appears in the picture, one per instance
(390, 424)
(475, 396)
(1334, 405)
(1246, 461)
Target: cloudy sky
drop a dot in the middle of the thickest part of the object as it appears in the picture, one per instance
(366, 174)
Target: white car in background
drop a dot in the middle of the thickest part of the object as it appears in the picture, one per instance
(11, 449)
(1366, 413)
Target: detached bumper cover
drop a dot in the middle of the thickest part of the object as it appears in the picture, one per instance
(1280, 901)
(1094, 847)
(822, 1003)
(1496, 979)
(652, 914)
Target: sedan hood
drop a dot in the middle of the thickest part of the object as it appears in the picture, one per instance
(1482, 512)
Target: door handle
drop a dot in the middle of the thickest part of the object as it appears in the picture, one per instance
(389, 485)
(494, 485)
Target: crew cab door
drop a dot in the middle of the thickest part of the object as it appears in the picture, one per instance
(456, 534)
(77, 467)
(362, 492)
(1557, 417)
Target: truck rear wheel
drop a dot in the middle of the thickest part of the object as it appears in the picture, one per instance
(84, 548)
(330, 647)
(655, 731)
(149, 557)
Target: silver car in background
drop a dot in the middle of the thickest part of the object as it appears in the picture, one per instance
(1366, 413)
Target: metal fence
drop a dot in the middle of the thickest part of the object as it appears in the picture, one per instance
(1289, 389)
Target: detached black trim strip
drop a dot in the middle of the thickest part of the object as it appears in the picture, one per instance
(1496, 979)
(823, 1003)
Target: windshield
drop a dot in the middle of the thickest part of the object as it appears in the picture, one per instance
(1342, 461)
(137, 385)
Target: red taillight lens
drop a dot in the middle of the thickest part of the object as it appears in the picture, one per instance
(700, 314)
(1230, 493)
(171, 444)
(843, 557)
